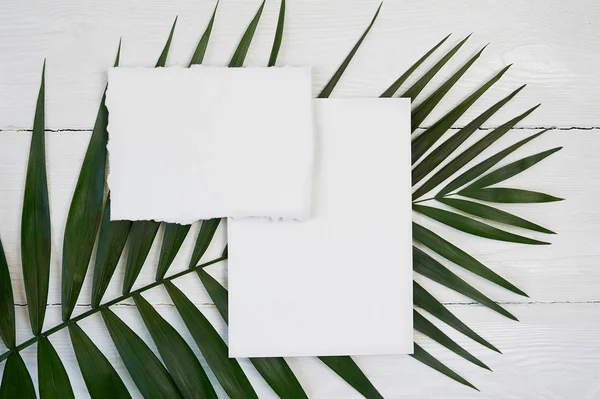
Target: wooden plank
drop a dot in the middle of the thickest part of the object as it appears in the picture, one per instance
(554, 352)
(553, 46)
(565, 271)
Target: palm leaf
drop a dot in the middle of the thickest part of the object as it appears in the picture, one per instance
(427, 302)
(85, 211)
(442, 152)
(275, 371)
(16, 381)
(469, 154)
(7, 304)
(52, 377)
(143, 232)
(225, 252)
(179, 358)
(420, 84)
(227, 370)
(101, 379)
(172, 240)
(162, 59)
(477, 170)
(148, 373)
(509, 195)
(205, 236)
(35, 222)
(141, 238)
(175, 233)
(390, 91)
(424, 357)
(278, 35)
(458, 256)
(240, 52)
(431, 268)
(429, 329)
(489, 213)
(510, 170)
(431, 135)
(200, 51)
(111, 241)
(348, 370)
(422, 110)
(326, 92)
(188, 378)
(472, 226)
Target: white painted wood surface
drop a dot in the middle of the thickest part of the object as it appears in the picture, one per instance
(554, 352)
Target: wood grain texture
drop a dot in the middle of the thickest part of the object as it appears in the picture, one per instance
(554, 352)
(553, 45)
(556, 339)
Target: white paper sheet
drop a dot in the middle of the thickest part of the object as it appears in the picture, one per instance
(341, 282)
(207, 142)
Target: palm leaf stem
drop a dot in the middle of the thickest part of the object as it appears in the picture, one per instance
(106, 305)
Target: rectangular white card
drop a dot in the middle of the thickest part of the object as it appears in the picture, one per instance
(207, 142)
(341, 282)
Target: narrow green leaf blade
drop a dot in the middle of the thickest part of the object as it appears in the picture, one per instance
(141, 238)
(200, 51)
(35, 221)
(275, 371)
(420, 84)
(278, 35)
(205, 236)
(431, 135)
(7, 304)
(52, 377)
(112, 239)
(396, 85)
(427, 302)
(482, 167)
(509, 195)
(85, 211)
(489, 213)
(460, 257)
(176, 233)
(179, 358)
(228, 371)
(217, 293)
(469, 154)
(143, 232)
(422, 110)
(225, 252)
(348, 370)
(510, 170)
(162, 59)
(242, 49)
(326, 92)
(425, 358)
(101, 379)
(426, 327)
(172, 240)
(16, 381)
(148, 373)
(472, 226)
(431, 268)
(444, 150)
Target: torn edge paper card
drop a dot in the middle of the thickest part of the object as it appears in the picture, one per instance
(341, 282)
(209, 142)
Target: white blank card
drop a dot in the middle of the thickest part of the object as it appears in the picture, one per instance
(341, 282)
(208, 142)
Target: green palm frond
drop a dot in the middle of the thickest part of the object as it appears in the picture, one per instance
(176, 371)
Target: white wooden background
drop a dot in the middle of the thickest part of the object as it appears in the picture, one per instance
(554, 352)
